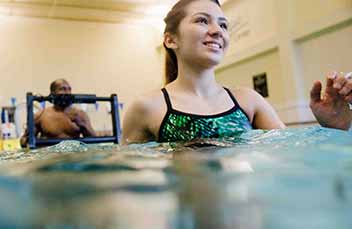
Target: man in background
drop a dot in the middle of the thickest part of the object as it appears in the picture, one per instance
(61, 120)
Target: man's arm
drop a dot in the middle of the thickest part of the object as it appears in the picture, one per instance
(37, 130)
(82, 120)
(24, 139)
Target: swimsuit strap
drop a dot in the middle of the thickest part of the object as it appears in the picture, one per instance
(167, 99)
(232, 97)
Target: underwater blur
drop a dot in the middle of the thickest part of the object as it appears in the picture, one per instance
(292, 178)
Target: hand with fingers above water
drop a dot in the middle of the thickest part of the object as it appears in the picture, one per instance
(333, 108)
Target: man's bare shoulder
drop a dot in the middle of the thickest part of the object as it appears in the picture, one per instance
(38, 116)
(49, 109)
(79, 111)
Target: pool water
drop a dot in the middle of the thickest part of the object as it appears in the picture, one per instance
(293, 178)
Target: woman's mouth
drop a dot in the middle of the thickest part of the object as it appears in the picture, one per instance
(213, 45)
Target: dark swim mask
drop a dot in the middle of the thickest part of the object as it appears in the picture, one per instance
(61, 100)
(65, 100)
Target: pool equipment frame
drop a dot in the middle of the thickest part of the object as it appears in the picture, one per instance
(34, 142)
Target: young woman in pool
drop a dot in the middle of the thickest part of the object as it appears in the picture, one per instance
(192, 104)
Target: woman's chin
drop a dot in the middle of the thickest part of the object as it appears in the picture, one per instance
(208, 61)
(213, 62)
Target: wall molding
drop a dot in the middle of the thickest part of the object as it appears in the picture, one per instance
(341, 18)
(294, 112)
(73, 12)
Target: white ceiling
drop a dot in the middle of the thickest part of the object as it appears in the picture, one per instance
(113, 11)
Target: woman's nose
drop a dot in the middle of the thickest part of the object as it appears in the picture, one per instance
(215, 30)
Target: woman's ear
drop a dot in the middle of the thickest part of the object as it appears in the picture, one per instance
(170, 41)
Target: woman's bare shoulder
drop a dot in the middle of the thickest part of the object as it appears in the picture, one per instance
(148, 101)
(245, 95)
(247, 99)
(243, 91)
(140, 117)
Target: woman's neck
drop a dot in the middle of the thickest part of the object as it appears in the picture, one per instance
(198, 81)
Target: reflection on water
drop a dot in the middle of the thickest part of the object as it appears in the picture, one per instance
(294, 178)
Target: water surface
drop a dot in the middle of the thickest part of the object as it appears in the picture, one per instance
(293, 178)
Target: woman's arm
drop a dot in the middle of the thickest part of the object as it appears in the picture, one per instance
(265, 116)
(135, 124)
(261, 113)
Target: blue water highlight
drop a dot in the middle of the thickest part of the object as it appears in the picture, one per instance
(292, 178)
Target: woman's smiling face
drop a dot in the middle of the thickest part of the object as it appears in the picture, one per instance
(202, 36)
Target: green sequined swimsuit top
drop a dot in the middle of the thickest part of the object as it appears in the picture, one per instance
(180, 126)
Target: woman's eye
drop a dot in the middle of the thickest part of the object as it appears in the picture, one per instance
(224, 26)
(202, 20)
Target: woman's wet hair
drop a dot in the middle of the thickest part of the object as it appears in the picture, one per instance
(173, 20)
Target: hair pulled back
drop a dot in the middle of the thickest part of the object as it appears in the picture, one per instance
(172, 21)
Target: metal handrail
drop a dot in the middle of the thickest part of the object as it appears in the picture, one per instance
(34, 142)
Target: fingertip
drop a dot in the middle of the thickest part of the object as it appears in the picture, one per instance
(316, 85)
(317, 82)
(329, 82)
(348, 75)
(315, 92)
(332, 75)
(348, 99)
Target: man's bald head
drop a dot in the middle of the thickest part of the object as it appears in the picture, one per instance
(60, 86)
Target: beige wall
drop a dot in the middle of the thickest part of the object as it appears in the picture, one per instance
(251, 22)
(294, 41)
(305, 12)
(240, 75)
(96, 58)
(325, 53)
